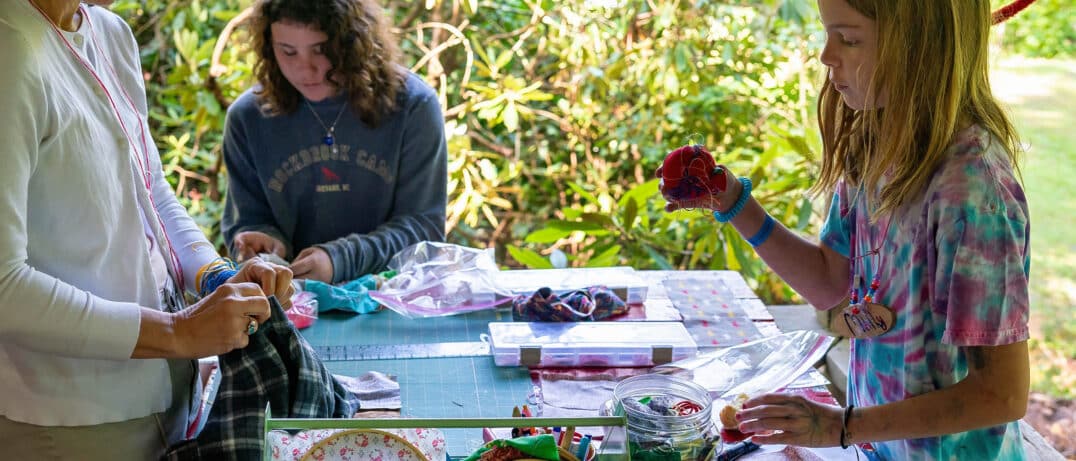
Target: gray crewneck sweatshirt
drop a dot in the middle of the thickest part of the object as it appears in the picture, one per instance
(382, 189)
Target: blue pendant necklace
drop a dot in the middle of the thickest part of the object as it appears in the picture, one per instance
(330, 131)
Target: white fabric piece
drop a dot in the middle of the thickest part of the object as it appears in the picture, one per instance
(375, 390)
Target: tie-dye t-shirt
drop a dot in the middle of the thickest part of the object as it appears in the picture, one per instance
(954, 268)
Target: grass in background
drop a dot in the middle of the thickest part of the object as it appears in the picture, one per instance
(1039, 94)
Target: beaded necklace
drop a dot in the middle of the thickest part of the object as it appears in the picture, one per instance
(864, 318)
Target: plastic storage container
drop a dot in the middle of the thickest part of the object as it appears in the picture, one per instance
(589, 344)
(668, 418)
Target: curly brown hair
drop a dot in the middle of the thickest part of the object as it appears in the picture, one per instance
(360, 46)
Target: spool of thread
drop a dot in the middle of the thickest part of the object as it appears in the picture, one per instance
(584, 445)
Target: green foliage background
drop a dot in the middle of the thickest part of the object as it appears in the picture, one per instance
(557, 112)
(1046, 29)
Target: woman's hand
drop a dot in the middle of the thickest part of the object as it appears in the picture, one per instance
(273, 279)
(715, 201)
(249, 244)
(313, 263)
(799, 421)
(219, 323)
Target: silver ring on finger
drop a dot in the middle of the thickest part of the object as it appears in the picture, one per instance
(252, 326)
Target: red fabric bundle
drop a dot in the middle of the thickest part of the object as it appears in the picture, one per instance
(690, 173)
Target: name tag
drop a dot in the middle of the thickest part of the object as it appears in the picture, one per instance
(863, 320)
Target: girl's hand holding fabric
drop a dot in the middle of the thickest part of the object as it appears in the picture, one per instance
(800, 421)
(716, 200)
(314, 264)
(249, 244)
(218, 323)
(273, 279)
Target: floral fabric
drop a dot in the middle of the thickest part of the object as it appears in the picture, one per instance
(363, 444)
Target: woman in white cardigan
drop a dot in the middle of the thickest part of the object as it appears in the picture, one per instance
(96, 346)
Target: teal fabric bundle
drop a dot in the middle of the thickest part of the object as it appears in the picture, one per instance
(353, 296)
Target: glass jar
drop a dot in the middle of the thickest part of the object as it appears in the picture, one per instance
(668, 418)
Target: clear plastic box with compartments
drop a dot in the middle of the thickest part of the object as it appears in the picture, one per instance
(589, 344)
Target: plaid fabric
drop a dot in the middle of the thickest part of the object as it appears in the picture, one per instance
(592, 303)
(278, 367)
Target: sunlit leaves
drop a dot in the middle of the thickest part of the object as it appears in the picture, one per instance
(529, 258)
(568, 109)
(507, 99)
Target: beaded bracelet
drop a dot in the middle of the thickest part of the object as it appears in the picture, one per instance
(763, 232)
(844, 426)
(738, 206)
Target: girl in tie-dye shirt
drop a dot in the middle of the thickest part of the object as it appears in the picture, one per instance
(921, 164)
(954, 269)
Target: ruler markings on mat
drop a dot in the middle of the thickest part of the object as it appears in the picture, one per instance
(401, 351)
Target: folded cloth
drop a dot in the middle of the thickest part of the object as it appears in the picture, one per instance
(375, 390)
(277, 367)
(591, 303)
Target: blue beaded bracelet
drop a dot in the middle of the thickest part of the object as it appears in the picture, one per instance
(763, 232)
(740, 202)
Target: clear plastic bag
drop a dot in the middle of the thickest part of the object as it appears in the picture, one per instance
(753, 368)
(304, 309)
(438, 279)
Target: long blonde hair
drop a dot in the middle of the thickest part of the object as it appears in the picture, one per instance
(932, 69)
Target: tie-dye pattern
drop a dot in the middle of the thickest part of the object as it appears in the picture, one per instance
(954, 268)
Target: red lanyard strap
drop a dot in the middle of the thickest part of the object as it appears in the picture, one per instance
(141, 158)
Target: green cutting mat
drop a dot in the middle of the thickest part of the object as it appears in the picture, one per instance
(448, 387)
(387, 327)
(455, 387)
